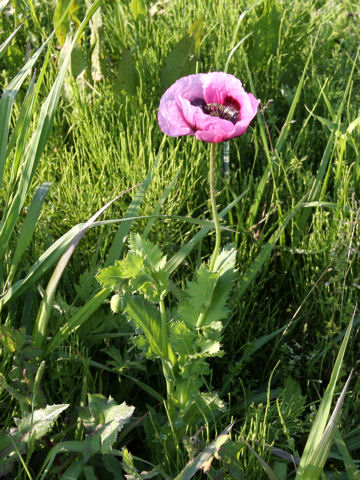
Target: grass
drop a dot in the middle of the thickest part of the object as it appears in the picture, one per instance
(298, 170)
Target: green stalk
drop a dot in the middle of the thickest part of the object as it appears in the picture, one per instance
(213, 207)
(216, 222)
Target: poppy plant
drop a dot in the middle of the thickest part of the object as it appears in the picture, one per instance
(212, 106)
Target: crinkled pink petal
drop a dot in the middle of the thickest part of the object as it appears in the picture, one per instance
(189, 87)
(246, 115)
(171, 119)
(254, 104)
(219, 85)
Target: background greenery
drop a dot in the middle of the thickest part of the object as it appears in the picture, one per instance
(105, 139)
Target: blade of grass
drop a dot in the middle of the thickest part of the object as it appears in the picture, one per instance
(18, 453)
(236, 30)
(40, 326)
(280, 141)
(23, 123)
(7, 101)
(39, 138)
(30, 4)
(319, 456)
(18, 136)
(70, 446)
(268, 470)
(3, 4)
(41, 266)
(205, 456)
(319, 425)
(78, 319)
(27, 230)
(337, 339)
(253, 347)
(4, 45)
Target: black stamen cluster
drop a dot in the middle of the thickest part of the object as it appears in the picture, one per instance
(227, 112)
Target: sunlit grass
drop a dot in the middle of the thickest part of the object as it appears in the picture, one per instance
(105, 140)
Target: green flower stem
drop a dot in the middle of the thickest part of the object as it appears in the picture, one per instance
(216, 222)
(214, 210)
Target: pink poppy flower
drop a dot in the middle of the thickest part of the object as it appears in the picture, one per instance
(212, 106)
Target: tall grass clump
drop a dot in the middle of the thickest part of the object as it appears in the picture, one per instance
(172, 309)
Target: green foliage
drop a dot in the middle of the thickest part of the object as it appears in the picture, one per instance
(138, 9)
(204, 459)
(184, 342)
(11, 340)
(184, 57)
(288, 204)
(64, 13)
(147, 318)
(143, 267)
(31, 427)
(103, 419)
(323, 430)
(127, 78)
(266, 32)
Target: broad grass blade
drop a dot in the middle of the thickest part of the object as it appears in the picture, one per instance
(7, 101)
(259, 343)
(312, 453)
(19, 134)
(146, 388)
(28, 227)
(203, 459)
(4, 46)
(44, 262)
(38, 139)
(70, 446)
(78, 319)
(74, 471)
(319, 457)
(3, 4)
(43, 316)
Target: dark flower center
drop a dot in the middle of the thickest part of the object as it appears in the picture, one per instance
(228, 111)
